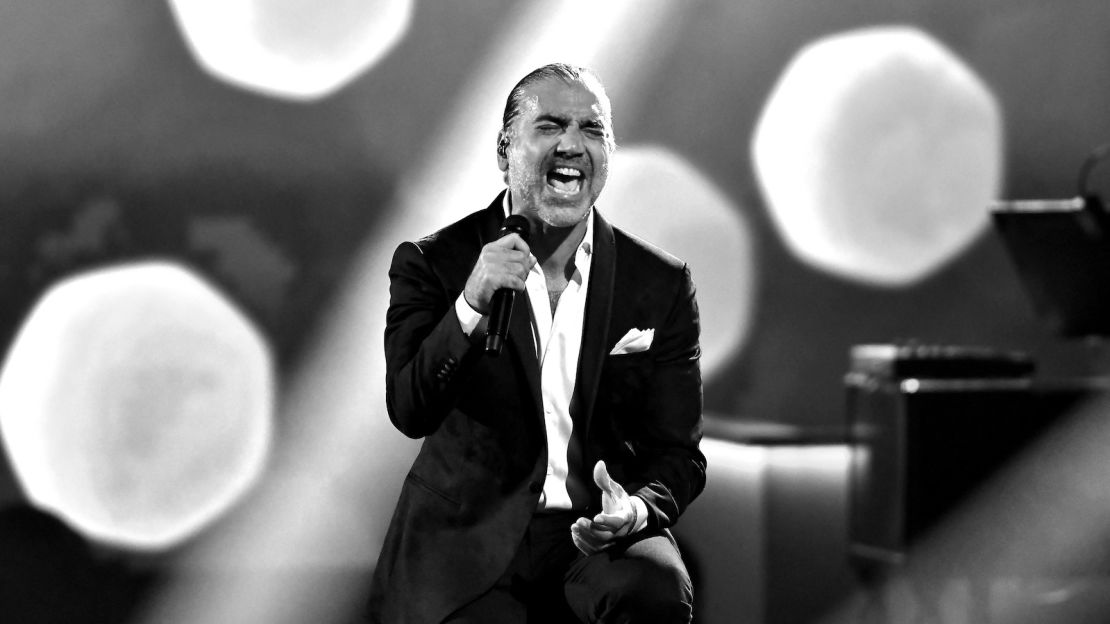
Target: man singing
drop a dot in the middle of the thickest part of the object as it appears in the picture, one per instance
(549, 473)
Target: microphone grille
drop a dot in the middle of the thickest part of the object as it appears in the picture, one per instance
(516, 224)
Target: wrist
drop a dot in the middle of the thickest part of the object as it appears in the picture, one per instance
(639, 515)
(469, 318)
(465, 296)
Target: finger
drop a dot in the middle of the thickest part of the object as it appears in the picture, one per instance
(599, 538)
(515, 263)
(511, 241)
(609, 522)
(591, 541)
(603, 530)
(582, 537)
(520, 265)
(601, 477)
(581, 545)
(512, 282)
(497, 257)
(594, 536)
(516, 256)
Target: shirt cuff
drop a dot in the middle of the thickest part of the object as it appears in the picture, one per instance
(468, 316)
(641, 514)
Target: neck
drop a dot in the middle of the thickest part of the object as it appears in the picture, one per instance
(556, 243)
(554, 247)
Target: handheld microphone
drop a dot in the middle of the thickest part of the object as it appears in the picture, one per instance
(501, 306)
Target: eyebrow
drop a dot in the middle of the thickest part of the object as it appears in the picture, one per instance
(553, 118)
(563, 120)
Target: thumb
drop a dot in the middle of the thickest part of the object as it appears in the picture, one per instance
(512, 241)
(602, 478)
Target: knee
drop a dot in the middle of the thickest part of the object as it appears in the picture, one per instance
(647, 592)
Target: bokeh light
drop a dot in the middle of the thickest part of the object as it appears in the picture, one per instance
(663, 199)
(878, 152)
(136, 404)
(296, 49)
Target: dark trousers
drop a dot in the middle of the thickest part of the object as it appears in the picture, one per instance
(641, 579)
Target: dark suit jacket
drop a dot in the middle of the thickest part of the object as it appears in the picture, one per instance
(476, 481)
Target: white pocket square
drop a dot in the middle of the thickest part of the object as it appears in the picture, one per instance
(635, 341)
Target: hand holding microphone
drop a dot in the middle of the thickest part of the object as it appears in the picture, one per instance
(500, 272)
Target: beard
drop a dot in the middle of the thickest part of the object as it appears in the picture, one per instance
(529, 185)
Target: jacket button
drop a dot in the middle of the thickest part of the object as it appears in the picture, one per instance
(536, 487)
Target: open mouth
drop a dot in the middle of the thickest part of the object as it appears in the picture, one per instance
(566, 180)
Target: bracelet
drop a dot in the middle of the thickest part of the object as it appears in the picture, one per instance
(635, 516)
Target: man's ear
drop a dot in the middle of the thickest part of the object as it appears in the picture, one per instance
(502, 151)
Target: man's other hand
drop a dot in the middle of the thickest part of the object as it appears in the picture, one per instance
(504, 263)
(618, 517)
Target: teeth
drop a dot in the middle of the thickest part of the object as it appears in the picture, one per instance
(567, 171)
(570, 187)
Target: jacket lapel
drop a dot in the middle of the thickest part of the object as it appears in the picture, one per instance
(599, 307)
(520, 340)
(524, 344)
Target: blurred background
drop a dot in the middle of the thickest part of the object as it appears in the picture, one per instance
(826, 168)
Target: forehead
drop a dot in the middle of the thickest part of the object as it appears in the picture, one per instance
(558, 98)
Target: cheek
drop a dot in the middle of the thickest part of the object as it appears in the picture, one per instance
(601, 173)
(522, 159)
(518, 166)
(600, 156)
(526, 168)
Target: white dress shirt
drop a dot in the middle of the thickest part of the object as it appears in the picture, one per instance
(558, 342)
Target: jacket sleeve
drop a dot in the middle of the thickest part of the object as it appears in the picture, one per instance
(425, 347)
(670, 468)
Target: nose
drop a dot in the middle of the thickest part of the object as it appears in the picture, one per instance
(570, 142)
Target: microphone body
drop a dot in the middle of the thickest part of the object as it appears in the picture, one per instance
(501, 306)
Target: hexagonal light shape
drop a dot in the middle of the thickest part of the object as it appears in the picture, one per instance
(665, 200)
(296, 49)
(136, 404)
(878, 152)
